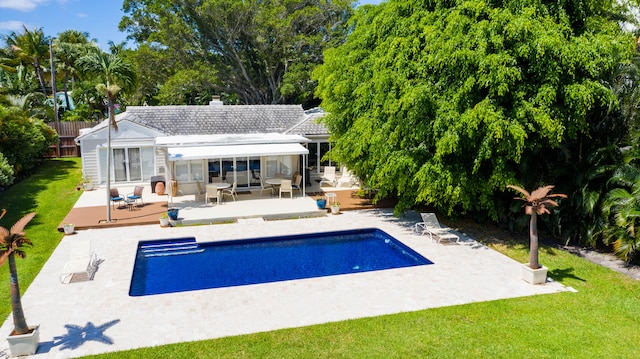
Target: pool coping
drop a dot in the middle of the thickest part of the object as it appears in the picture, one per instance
(98, 316)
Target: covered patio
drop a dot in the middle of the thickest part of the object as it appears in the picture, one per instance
(90, 209)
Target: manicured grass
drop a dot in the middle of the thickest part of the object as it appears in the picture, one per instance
(51, 193)
(601, 320)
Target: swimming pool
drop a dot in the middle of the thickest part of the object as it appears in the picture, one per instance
(178, 265)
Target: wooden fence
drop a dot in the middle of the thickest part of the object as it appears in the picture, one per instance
(67, 133)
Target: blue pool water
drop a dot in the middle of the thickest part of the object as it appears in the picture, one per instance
(178, 265)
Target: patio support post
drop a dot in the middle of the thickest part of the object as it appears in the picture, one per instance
(109, 163)
(304, 175)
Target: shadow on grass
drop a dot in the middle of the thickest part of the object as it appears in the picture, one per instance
(21, 197)
(562, 274)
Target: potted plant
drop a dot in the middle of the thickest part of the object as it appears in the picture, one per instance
(23, 339)
(87, 183)
(335, 208)
(164, 219)
(321, 202)
(69, 228)
(536, 203)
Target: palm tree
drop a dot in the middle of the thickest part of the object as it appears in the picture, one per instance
(69, 47)
(32, 46)
(12, 243)
(536, 203)
(113, 72)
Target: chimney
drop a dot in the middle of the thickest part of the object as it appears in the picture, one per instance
(215, 101)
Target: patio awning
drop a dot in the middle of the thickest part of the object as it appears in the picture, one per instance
(202, 152)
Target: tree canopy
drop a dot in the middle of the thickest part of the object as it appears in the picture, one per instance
(261, 51)
(445, 103)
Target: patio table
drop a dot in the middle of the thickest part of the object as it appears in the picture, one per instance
(275, 182)
(217, 189)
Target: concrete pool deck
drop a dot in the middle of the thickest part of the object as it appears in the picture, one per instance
(99, 316)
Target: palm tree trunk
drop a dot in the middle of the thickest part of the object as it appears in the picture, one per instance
(19, 321)
(36, 64)
(533, 241)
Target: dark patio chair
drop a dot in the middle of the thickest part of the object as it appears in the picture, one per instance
(116, 197)
(136, 195)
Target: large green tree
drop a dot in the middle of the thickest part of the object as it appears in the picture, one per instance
(261, 51)
(446, 102)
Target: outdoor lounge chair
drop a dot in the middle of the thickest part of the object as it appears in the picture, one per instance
(346, 179)
(329, 175)
(136, 195)
(82, 264)
(431, 226)
(115, 197)
(285, 186)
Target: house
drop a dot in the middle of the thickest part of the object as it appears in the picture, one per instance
(206, 143)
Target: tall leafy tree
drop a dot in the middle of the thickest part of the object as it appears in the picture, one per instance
(113, 74)
(33, 48)
(261, 51)
(445, 103)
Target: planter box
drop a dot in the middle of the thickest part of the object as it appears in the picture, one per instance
(24, 344)
(534, 276)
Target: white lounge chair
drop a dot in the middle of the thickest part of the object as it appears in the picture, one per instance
(82, 264)
(346, 179)
(329, 176)
(431, 226)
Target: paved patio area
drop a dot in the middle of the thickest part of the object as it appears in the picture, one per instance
(99, 316)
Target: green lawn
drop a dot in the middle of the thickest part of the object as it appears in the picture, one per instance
(51, 193)
(601, 320)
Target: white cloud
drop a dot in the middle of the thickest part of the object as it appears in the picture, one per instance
(21, 5)
(11, 25)
(82, 14)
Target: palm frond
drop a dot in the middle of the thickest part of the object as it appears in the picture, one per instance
(18, 227)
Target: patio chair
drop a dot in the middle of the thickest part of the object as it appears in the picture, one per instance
(264, 186)
(297, 184)
(286, 187)
(116, 197)
(431, 226)
(82, 264)
(345, 179)
(329, 176)
(231, 192)
(200, 193)
(136, 195)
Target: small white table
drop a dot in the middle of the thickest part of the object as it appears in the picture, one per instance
(331, 197)
(217, 189)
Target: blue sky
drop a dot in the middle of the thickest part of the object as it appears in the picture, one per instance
(99, 18)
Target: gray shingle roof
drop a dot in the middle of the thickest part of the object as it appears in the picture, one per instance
(211, 120)
(310, 125)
